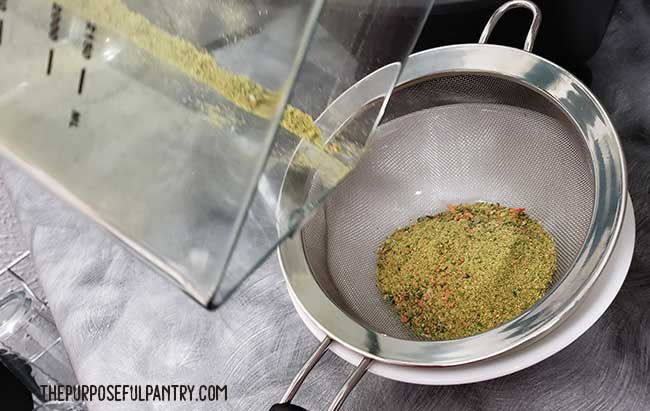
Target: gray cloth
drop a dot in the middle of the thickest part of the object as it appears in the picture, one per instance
(12, 247)
(122, 323)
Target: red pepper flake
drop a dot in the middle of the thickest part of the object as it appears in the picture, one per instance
(445, 295)
(404, 319)
(451, 207)
(517, 211)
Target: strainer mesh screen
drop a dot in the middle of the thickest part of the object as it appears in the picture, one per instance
(448, 140)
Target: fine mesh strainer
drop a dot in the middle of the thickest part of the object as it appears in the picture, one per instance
(465, 123)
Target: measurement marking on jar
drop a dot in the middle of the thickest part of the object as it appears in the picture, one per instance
(2, 24)
(89, 37)
(50, 60)
(55, 21)
(75, 117)
(82, 79)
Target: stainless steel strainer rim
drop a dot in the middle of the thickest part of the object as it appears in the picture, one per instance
(610, 180)
(610, 175)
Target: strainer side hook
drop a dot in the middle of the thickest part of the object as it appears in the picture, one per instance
(515, 4)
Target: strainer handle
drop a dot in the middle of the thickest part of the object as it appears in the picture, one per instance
(515, 4)
(341, 396)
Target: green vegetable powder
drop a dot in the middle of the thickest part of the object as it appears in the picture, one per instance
(466, 270)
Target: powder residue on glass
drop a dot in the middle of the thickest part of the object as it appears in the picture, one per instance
(466, 270)
(200, 65)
